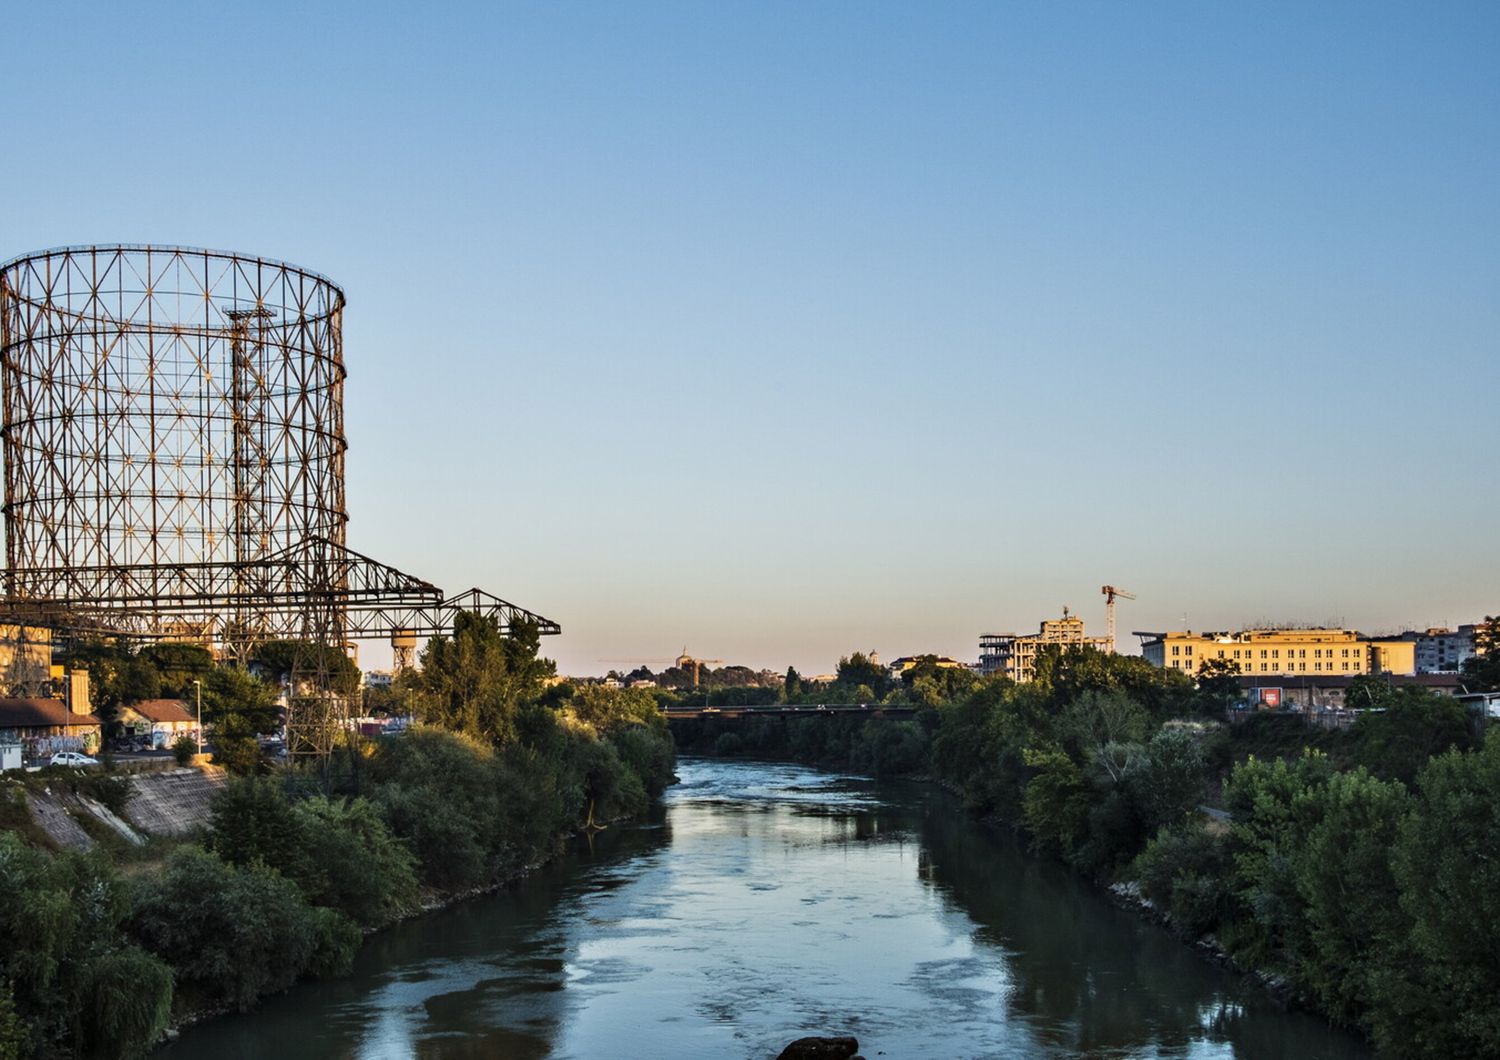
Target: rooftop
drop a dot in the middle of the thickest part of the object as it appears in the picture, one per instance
(40, 713)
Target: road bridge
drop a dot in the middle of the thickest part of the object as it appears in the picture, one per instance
(792, 710)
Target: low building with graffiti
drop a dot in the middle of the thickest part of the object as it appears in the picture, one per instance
(43, 727)
(158, 723)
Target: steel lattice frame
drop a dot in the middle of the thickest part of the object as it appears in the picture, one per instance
(174, 450)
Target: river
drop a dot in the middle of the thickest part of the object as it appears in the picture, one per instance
(762, 902)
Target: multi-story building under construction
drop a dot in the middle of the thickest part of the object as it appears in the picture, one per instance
(1015, 655)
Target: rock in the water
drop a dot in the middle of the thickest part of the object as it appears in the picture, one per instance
(821, 1049)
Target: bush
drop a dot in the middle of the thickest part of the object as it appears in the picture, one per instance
(647, 753)
(126, 1002)
(70, 982)
(437, 792)
(110, 792)
(183, 749)
(251, 820)
(352, 863)
(1182, 872)
(439, 833)
(15, 1040)
(235, 934)
(339, 853)
(728, 743)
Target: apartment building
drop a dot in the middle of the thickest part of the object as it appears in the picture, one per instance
(1444, 651)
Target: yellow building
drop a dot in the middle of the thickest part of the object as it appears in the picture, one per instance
(1015, 656)
(1338, 652)
(1393, 655)
(906, 662)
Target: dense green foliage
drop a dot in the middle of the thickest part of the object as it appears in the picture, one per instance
(1376, 903)
(232, 934)
(339, 852)
(68, 968)
(296, 863)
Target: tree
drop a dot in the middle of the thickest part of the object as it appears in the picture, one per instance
(178, 665)
(859, 670)
(1412, 725)
(1368, 692)
(1356, 927)
(1095, 720)
(791, 687)
(1218, 684)
(475, 681)
(278, 660)
(1065, 673)
(1271, 820)
(1166, 781)
(1056, 800)
(1449, 879)
(611, 710)
(116, 676)
(1482, 671)
(230, 692)
(931, 684)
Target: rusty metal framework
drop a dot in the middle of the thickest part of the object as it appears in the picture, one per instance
(173, 439)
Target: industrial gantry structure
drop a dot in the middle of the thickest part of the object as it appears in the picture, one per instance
(173, 439)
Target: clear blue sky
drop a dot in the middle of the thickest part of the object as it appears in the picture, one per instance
(784, 330)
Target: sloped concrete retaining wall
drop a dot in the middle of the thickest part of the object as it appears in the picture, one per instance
(173, 803)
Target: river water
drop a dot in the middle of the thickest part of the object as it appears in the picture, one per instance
(764, 902)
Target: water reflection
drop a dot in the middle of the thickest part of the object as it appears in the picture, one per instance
(764, 902)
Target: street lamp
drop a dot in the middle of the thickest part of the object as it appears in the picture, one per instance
(198, 686)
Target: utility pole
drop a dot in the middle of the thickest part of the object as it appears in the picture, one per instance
(198, 686)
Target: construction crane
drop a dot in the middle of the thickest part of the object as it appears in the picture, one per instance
(1110, 593)
(685, 659)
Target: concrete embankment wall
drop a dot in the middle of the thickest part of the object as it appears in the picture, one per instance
(173, 803)
(170, 803)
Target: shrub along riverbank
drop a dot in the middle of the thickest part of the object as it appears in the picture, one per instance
(1358, 868)
(100, 951)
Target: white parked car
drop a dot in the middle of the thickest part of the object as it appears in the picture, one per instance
(72, 758)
